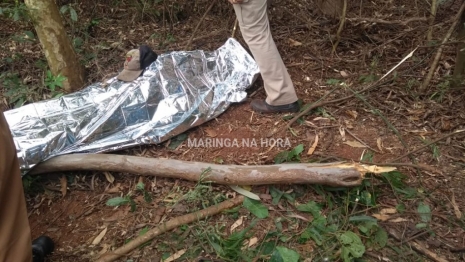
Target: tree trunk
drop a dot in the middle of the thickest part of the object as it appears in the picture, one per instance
(57, 47)
(330, 174)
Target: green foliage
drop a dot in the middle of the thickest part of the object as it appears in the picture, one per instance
(256, 207)
(127, 199)
(17, 11)
(14, 90)
(52, 82)
(289, 156)
(352, 246)
(396, 180)
(284, 254)
(333, 81)
(72, 12)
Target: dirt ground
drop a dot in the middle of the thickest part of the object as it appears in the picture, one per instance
(392, 119)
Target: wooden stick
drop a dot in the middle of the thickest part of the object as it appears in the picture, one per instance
(428, 144)
(431, 19)
(418, 247)
(439, 52)
(198, 25)
(341, 25)
(331, 174)
(167, 226)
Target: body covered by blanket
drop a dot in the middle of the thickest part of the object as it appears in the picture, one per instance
(180, 90)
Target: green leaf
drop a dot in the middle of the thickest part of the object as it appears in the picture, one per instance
(140, 186)
(381, 237)
(117, 201)
(276, 194)
(256, 207)
(400, 208)
(29, 34)
(288, 255)
(362, 219)
(311, 207)
(268, 247)
(421, 225)
(352, 244)
(63, 9)
(73, 14)
(424, 211)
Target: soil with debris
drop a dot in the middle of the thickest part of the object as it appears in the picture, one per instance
(379, 126)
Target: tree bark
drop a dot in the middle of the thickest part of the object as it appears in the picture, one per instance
(61, 57)
(330, 174)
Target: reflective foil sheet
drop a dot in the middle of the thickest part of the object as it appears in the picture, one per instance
(180, 90)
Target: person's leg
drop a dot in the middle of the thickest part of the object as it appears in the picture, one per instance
(254, 25)
(15, 234)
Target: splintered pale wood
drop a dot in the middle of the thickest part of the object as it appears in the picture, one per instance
(331, 174)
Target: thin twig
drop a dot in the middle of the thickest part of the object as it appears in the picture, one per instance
(198, 25)
(171, 224)
(428, 144)
(341, 26)
(439, 52)
(361, 141)
(382, 21)
(234, 29)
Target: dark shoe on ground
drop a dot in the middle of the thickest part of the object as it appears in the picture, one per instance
(41, 248)
(262, 106)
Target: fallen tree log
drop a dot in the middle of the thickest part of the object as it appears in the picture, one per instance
(330, 174)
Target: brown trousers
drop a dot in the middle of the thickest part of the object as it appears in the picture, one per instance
(255, 28)
(15, 233)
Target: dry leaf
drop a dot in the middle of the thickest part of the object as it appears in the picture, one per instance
(344, 74)
(385, 211)
(379, 144)
(299, 217)
(175, 256)
(115, 189)
(99, 237)
(294, 43)
(313, 147)
(457, 212)
(210, 132)
(110, 178)
(398, 220)
(343, 133)
(253, 241)
(354, 144)
(352, 113)
(64, 185)
(381, 217)
(237, 223)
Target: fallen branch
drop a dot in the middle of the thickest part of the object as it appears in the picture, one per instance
(167, 226)
(439, 52)
(198, 24)
(331, 174)
(428, 144)
(418, 247)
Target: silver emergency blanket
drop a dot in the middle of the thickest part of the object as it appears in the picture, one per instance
(178, 91)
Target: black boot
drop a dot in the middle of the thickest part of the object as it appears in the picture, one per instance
(42, 247)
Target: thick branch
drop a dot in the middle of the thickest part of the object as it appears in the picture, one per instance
(331, 174)
(165, 227)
